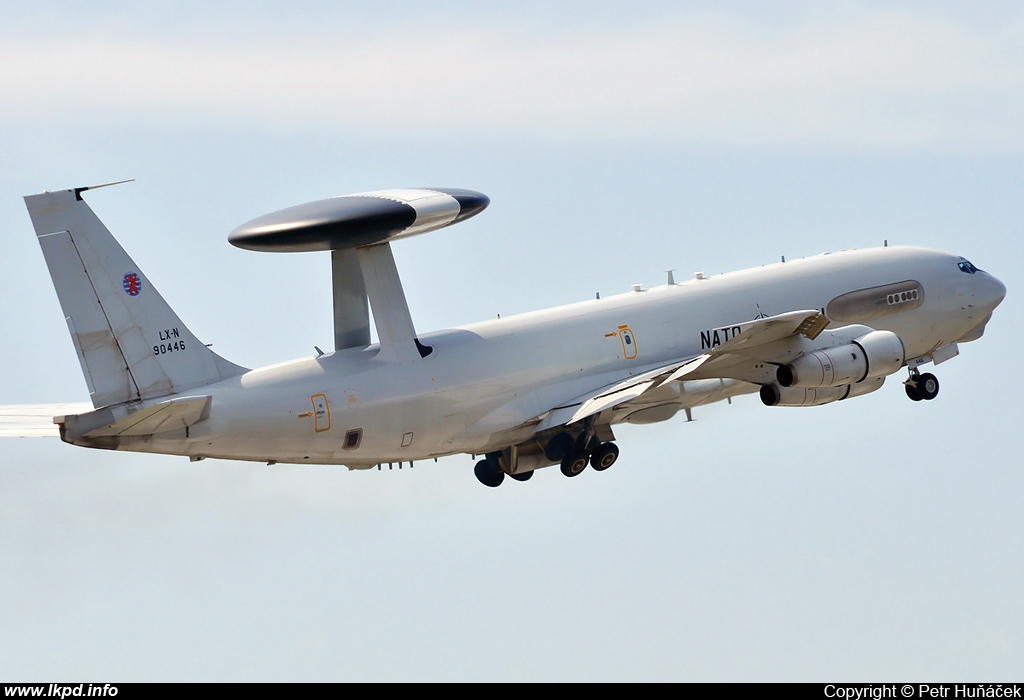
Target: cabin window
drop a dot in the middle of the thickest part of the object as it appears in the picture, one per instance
(352, 439)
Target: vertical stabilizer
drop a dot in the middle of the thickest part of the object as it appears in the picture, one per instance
(130, 342)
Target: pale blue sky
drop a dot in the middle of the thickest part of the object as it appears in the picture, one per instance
(872, 539)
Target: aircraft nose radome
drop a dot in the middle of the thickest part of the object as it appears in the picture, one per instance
(994, 292)
(1000, 292)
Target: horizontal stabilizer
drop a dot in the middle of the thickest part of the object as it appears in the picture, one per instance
(35, 420)
(119, 421)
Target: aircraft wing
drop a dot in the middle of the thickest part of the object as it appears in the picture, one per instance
(763, 340)
(607, 396)
(36, 420)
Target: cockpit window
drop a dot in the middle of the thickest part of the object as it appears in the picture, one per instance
(967, 266)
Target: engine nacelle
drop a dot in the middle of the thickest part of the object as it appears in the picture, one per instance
(775, 395)
(864, 387)
(876, 354)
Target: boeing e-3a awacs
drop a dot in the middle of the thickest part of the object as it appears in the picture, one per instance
(524, 392)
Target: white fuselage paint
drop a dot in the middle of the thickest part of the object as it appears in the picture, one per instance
(482, 382)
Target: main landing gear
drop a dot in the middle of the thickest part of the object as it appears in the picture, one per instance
(489, 472)
(585, 449)
(602, 457)
(574, 456)
(921, 387)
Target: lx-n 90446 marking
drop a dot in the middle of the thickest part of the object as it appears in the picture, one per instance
(525, 392)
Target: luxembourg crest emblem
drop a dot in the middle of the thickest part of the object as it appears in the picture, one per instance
(132, 284)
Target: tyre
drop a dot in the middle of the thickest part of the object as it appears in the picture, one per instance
(558, 446)
(604, 456)
(574, 463)
(489, 473)
(927, 387)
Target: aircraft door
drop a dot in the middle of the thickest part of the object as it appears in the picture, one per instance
(628, 342)
(321, 412)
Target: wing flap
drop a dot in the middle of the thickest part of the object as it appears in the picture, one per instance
(608, 395)
(599, 403)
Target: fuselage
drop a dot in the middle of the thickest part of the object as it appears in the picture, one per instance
(483, 384)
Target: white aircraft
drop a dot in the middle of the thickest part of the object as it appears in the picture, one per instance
(524, 392)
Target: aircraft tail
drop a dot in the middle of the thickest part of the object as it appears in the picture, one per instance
(130, 343)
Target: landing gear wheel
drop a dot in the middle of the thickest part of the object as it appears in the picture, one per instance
(604, 456)
(574, 463)
(489, 473)
(558, 446)
(522, 476)
(927, 386)
(924, 387)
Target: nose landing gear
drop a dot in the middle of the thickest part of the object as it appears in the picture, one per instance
(921, 387)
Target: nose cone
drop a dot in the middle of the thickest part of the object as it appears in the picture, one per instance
(995, 292)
